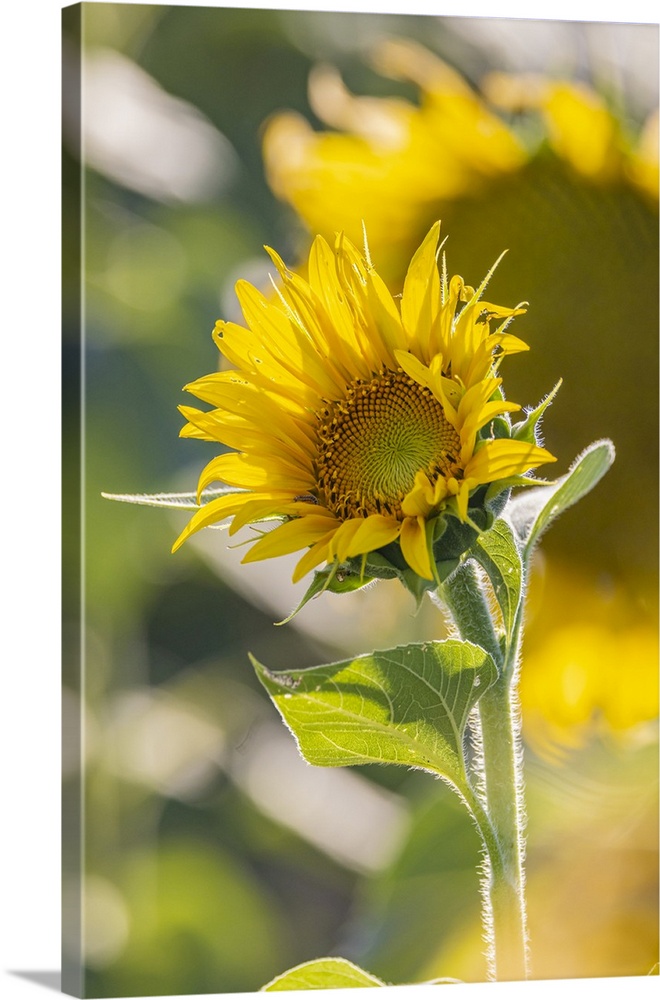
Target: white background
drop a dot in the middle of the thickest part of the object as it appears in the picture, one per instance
(29, 487)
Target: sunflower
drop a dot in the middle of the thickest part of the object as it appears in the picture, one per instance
(387, 162)
(361, 421)
(393, 163)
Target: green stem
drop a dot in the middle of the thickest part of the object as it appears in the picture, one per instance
(498, 801)
(501, 762)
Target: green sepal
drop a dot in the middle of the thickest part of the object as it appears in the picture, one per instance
(175, 501)
(408, 705)
(416, 585)
(323, 974)
(498, 427)
(528, 429)
(497, 496)
(388, 563)
(342, 579)
(377, 565)
(454, 537)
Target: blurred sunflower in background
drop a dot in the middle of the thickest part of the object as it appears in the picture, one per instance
(389, 163)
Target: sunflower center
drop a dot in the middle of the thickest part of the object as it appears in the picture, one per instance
(375, 440)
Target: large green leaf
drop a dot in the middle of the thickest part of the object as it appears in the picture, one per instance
(497, 552)
(407, 705)
(323, 974)
(533, 512)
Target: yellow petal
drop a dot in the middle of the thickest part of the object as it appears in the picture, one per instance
(254, 473)
(239, 393)
(189, 430)
(298, 354)
(502, 458)
(324, 282)
(482, 360)
(476, 409)
(418, 501)
(424, 497)
(275, 506)
(414, 546)
(463, 497)
(476, 397)
(474, 422)
(386, 313)
(237, 432)
(245, 349)
(421, 292)
(414, 367)
(262, 402)
(373, 533)
(342, 539)
(318, 553)
(288, 538)
(211, 513)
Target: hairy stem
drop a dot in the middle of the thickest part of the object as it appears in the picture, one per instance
(502, 777)
(499, 784)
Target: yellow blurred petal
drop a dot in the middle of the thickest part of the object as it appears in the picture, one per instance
(405, 59)
(514, 91)
(644, 167)
(582, 130)
(376, 119)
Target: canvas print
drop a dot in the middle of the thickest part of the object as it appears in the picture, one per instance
(360, 388)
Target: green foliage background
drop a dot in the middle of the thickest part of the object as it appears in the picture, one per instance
(192, 886)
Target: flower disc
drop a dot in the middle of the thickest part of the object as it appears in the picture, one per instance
(376, 440)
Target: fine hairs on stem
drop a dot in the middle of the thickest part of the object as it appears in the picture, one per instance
(484, 868)
(496, 778)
